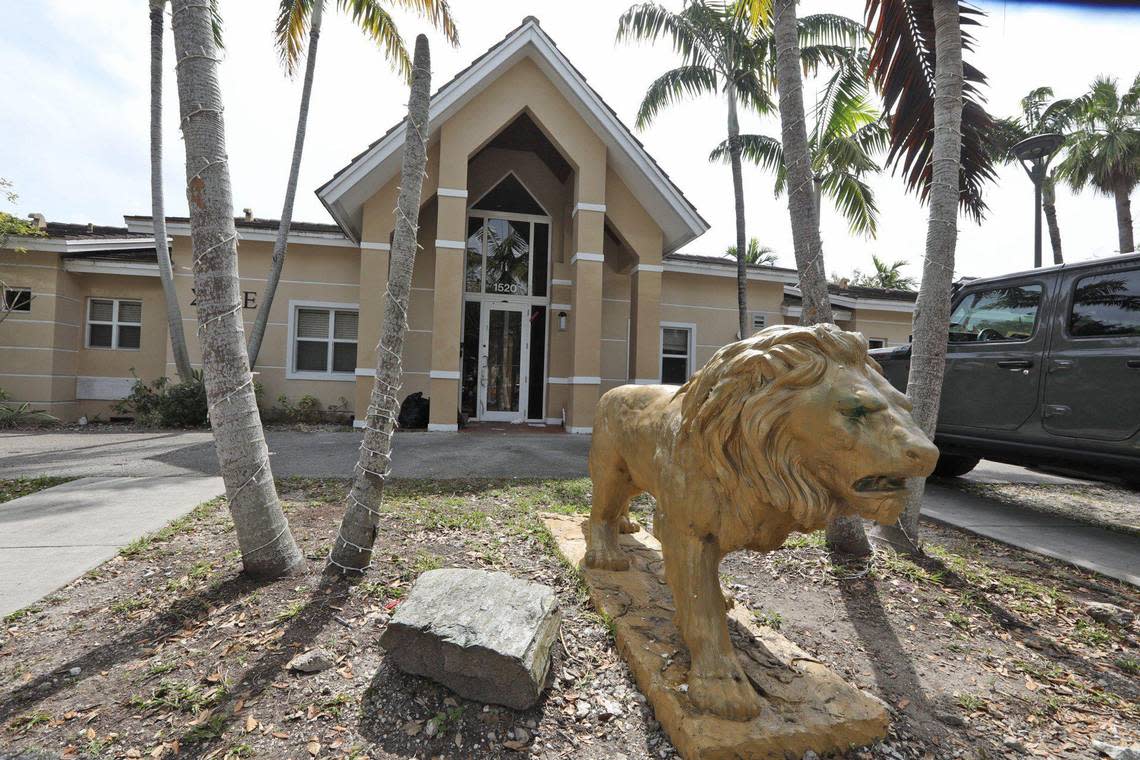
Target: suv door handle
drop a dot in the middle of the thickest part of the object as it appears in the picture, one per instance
(1061, 364)
(1015, 364)
(1133, 364)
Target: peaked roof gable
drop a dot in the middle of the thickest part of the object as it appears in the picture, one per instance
(344, 195)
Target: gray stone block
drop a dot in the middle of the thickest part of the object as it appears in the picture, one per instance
(486, 636)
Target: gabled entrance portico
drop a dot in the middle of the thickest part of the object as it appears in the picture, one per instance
(538, 281)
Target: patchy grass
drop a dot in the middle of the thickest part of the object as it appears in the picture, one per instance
(14, 488)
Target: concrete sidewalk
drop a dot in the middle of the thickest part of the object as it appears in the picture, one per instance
(54, 536)
(1116, 555)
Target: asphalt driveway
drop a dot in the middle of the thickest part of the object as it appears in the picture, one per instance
(513, 453)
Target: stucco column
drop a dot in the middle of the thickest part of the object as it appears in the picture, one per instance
(374, 256)
(644, 322)
(447, 309)
(586, 315)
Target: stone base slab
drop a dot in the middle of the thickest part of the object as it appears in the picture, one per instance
(809, 707)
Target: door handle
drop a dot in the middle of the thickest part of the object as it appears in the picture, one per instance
(1061, 364)
(1015, 364)
(1133, 364)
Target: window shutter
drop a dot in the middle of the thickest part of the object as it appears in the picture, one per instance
(312, 323)
(130, 312)
(101, 311)
(345, 325)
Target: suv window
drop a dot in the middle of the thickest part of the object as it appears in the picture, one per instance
(999, 314)
(1106, 304)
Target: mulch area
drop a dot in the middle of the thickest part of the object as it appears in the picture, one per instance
(981, 650)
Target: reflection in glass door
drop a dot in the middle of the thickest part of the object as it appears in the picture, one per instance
(504, 359)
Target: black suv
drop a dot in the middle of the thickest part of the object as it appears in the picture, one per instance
(1043, 368)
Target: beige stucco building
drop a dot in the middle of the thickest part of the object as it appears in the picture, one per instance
(546, 273)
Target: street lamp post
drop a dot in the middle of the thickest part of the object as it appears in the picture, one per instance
(1034, 153)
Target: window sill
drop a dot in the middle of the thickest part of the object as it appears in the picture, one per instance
(344, 377)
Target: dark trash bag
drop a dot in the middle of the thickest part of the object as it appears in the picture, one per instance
(414, 412)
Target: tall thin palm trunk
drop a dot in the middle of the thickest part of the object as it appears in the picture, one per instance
(158, 212)
(1049, 206)
(1124, 217)
(267, 546)
(932, 310)
(797, 162)
(845, 534)
(734, 150)
(282, 241)
(352, 549)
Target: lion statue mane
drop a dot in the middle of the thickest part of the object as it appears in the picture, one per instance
(780, 432)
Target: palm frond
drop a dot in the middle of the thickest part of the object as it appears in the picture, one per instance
(437, 12)
(379, 26)
(648, 22)
(902, 67)
(855, 201)
(291, 31)
(672, 86)
(766, 152)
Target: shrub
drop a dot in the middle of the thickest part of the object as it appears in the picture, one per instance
(20, 414)
(166, 404)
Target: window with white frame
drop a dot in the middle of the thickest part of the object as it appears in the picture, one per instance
(676, 354)
(16, 299)
(114, 323)
(324, 340)
(759, 321)
(876, 343)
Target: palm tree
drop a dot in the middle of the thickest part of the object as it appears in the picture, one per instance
(158, 212)
(847, 133)
(297, 19)
(725, 55)
(1040, 114)
(267, 546)
(352, 549)
(718, 58)
(888, 276)
(939, 139)
(1104, 148)
(761, 255)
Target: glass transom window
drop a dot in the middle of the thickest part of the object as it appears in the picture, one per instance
(324, 340)
(506, 256)
(676, 355)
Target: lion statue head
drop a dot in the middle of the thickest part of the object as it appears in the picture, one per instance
(801, 419)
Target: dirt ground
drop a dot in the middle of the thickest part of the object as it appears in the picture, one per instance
(168, 651)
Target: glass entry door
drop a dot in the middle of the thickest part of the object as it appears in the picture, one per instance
(504, 361)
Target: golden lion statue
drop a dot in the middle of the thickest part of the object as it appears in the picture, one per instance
(780, 432)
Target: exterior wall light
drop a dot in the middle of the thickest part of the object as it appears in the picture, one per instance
(561, 321)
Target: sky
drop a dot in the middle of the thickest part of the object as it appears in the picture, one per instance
(74, 130)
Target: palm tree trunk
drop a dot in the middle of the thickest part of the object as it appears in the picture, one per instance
(734, 150)
(352, 549)
(844, 534)
(158, 213)
(281, 243)
(1049, 206)
(1124, 217)
(267, 546)
(932, 310)
(797, 162)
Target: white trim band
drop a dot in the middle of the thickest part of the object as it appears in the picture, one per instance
(647, 381)
(567, 283)
(585, 380)
(365, 372)
(454, 245)
(580, 430)
(451, 192)
(584, 256)
(647, 268)
(599, 207)
(369, 246)
(444, 374)
(560, 307)
(442, 427)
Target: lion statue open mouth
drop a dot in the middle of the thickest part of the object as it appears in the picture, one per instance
(780, 432)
